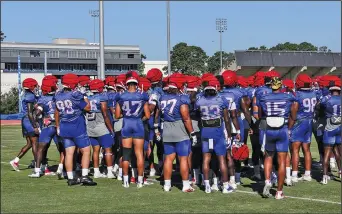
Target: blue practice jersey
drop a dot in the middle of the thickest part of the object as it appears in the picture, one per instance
(260, 91)
(331, 105)
(132, 104)
(276, 104)
(47, 103)
(95, 102)
(170, 106)
(238, 94)
(28, 97)
(112, 97)
(306, 104)
(70, 104)
(211, 107)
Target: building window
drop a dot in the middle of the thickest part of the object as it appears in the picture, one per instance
(34, 53)
(91, 54)
(130, 56)
(53, 54)
(82, 54)
(72, 54)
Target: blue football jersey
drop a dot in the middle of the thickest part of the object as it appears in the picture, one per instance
(238, 94)
(331, 105)
(276, 104)
(70, 104)
(211, 107)
(132, 104)
(112, 97)
(170, 106)
(28, 97)
(260, 91)
(95, 102)
(155, 94)
(48, 104)
(306, 104)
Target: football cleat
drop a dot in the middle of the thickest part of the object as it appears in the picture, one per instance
(72, 182)
(99, 175)
(189, 189)
(167, 188)
(119, 178)
(125, 184)
(229, 189)
(279, 196)
(32, 165)
(60, 175)
(266, 192)
(86, 181)
(305, 178)
(15, 165)
(47, 172)
(294, 179)
(325, 180)
(34, 175)
(147, 182)
(288, 182)
(111, 175)
(214, 187)
(140, 185)
(233, 185)
(207, 189)
(152, 172)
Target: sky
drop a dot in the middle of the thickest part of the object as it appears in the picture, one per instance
(144, 23)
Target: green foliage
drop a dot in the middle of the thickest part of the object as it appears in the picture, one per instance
(214, 61)
(141, 67)
(2, 36)
(288, 46)
(9, 102)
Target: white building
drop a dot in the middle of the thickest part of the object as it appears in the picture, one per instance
(154, 64)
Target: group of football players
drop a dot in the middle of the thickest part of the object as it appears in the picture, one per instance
(201, 123)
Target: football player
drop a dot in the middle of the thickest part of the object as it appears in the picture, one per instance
(176, 126)
(331, 104)
(71, 125)
(132, 105)
(29, 125)
(212, 108)
(99, 128)
(46, 107)
(278, 111)
(302, 130)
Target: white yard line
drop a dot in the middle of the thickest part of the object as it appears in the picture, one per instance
(255, 193)
(2, 162)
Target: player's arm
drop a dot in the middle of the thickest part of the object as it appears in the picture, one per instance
(39, 109)
(245, 104)
(118, 114)
(293, 114)
(57, 119)
(104, 110)
(184, 110)
(147, 112)
(227, 122)
(255, 109)
(30, 109)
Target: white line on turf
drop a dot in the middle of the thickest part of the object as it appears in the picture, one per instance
(9, 163)
(255, 193)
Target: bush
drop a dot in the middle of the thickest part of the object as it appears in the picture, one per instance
(9, 102)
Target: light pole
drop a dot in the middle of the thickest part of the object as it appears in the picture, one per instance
(102, 62)
(94, 14)
(168, 39)
(221, 26)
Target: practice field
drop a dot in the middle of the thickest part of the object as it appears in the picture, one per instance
(21, 194)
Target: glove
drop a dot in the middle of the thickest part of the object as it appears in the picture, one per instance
(58, 131)
(193, 138)
(158, 136)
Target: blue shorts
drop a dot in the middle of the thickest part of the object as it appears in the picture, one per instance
(105, 141)
(302, 131)
(276, 140)
(27, 128)
(146, 143)
(218, 145)
(74, 128)
(133, 128)
(48, 134)
(181, 148)
(333, 137)
(80, 141)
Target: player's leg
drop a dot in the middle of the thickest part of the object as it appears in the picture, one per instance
(15, 162)
(139, 154)
(256, 154)
(106, 142)
(295, 147)
(126, 158)
(220, 151)
(182, 150)
(231, 169)
(281, 173)
(307, 161)
(205, 169)
(70, 147)
(96, 159)
(170, 155)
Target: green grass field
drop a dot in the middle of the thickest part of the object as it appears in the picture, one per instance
(21, 194)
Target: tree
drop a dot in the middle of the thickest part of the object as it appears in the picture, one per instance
(2, 36)
(141, 66)
(214, 61)
(324, 49)
(288, 46)
(9, 102)
(189, 60)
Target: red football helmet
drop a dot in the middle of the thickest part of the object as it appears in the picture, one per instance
(192, 83)
(240, 152)
(110, 82)
(70, 81)
(132, 77)
(120, 81)
(211, 83)
(272, 73)
(242, 82)
(144, 84)
(49, 85)
(335, 83)
(288, 84)
(96, 85)
(84, 80)
(324, 81)
(303, 81)
(154, 75)
(230, 78)
(165, 82)
(30, 84)
(176, 80)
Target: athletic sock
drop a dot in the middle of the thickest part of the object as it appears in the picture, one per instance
(140, 179)
(85, 172)
(125, 178)
(37, 170)
(294, 173)
(70, 175)
(232, 179)
(167, 183)
(215, 181)
(307, 173)
(186, 184)
(267, 182)
(109, 169)
(96, 171)
(206, 183)
(120, 172)
(60, 167)
(288, 172)
(16, 160)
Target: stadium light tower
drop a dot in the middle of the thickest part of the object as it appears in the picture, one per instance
(168, 39)
(221, 26)
(94, 14)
